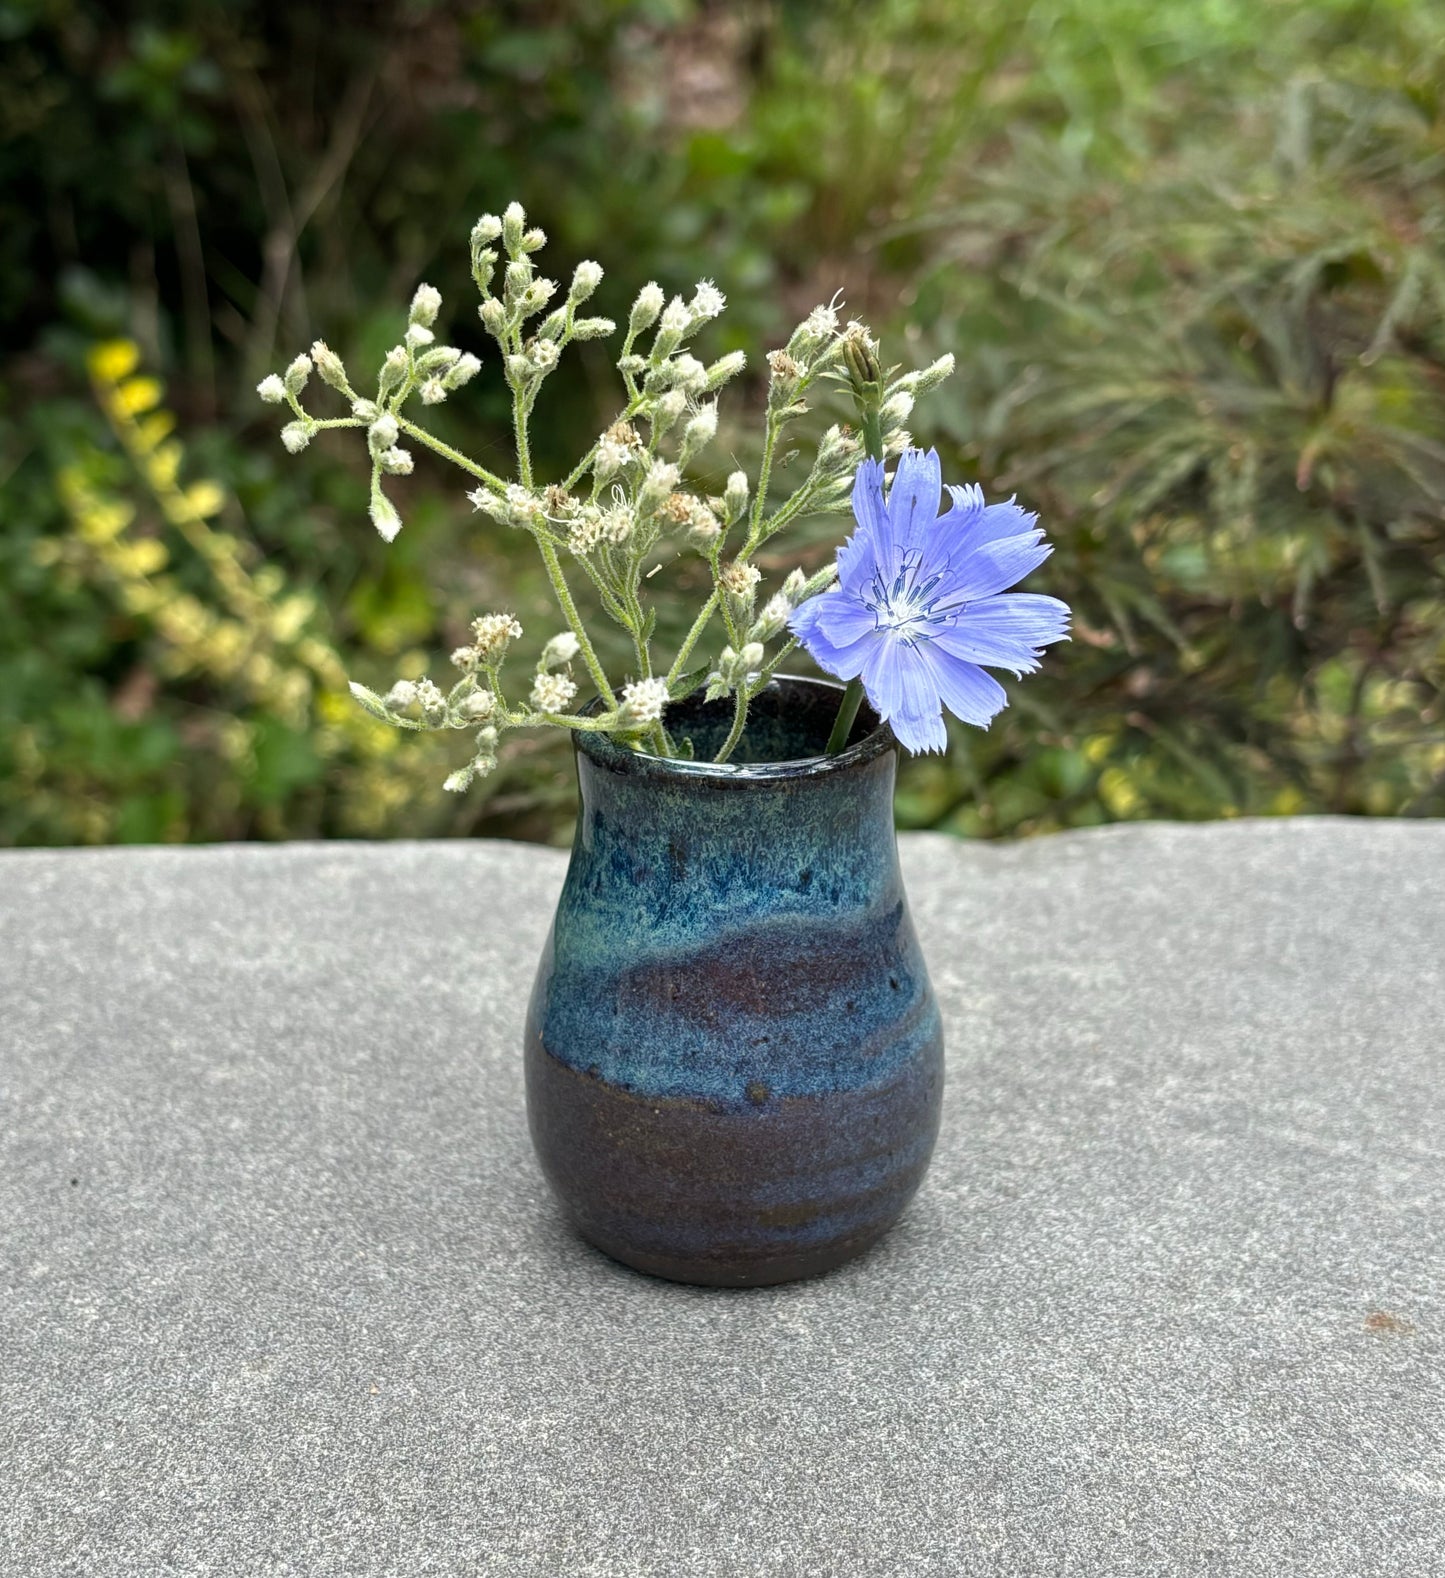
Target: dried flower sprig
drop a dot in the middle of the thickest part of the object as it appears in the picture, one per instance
(627, 501)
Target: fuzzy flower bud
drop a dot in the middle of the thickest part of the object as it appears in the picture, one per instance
(479, 706)
(486, 230)
(396, 462)
(543, 355)
(401, 695)
(642, 703)
(794, 587)
(534, 240)
(676, 319)
(661, 479)
(751, 657)
(417, 335)
(735, 496)
(612, 455)
(365, 410)
(394, 369)
(560, 650)
(433, 391)
(271, 389)
(381, 435)
(896, 409)
(329, 365)
(514, 223)
(465, 369)
(772, 619)
(465, 658)
(384, 516)
(929, 377)
(668, 410)
(425, 305)
(701, 430)
(586, 277)
(296, 436)
(646, 308)
(725, 367)
(538, 294)
(297, 374)
(552, 692)
(494, 316)
(431, 701)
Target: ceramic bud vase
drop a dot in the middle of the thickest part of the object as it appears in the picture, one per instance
(734, 1059)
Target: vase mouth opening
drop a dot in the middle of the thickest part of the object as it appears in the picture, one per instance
(789, 723)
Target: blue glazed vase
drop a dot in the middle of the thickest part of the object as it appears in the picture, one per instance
(734, 1058)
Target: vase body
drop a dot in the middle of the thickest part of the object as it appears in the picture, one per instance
(734, 1059)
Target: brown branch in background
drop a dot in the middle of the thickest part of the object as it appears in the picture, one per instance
(195, 298)
(280, 280)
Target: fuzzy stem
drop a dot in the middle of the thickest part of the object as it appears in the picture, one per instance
(690, 641)
(456, 457)
(573, 618)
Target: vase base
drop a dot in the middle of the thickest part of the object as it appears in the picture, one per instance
(743, 1270)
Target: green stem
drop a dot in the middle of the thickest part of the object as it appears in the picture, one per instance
(520, 416)
(847, 713)
(456, 457)
(574, 619)
(684, 652)
(765, 471)
(853, 692)
(740, 719)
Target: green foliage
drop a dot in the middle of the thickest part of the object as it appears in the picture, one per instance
(1189, 256)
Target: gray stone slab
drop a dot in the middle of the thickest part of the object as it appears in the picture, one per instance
(283, 1292)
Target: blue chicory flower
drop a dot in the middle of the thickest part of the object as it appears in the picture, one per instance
(917, 611)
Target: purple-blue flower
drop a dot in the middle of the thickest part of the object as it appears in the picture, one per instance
(917, 611)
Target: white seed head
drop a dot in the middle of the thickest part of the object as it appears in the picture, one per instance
(465, 658)
(296, 436)
(643, 702)
(425, 305)
(552, 692)
(271, 389)
(494, 633)
(739, 579)
(661, 479)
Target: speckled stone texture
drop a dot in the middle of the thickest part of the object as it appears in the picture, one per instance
(282, 1291)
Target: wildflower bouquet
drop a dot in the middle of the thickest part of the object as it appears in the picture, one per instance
(912, 613)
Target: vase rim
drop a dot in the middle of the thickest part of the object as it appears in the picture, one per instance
(607, 753)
